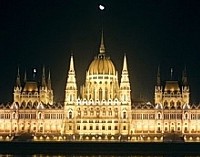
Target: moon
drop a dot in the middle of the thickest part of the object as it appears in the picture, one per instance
(101, 7)
(34, 70)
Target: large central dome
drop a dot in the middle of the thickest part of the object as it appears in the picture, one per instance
(102, 64)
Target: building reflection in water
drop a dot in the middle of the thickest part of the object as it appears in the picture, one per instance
(96, 155)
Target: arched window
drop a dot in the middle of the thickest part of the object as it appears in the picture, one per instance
(39, 115)
(13, 115)
(104, 112)
(94, 94)
(110, 112)
(70, 114)
(98, 113)
(186, 115)
(165, 103)
(159, 115)
(106, 94)
(85, 112)
(91, 112)
(70, 97)
(79, 113)
(124, 97)
(178, 104)
(172, 104)
(100, 94)
(124, 115)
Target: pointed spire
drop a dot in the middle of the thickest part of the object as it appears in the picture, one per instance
(184, 77)
(71, 68)
(102, 47)
(49, 81)
(18, 72)
(125, 84)
(124, 77)
(43, 77)
(158, 77)
(125, 63)
(71, 87)
(18, 83)
(171, 73)
(25, 77)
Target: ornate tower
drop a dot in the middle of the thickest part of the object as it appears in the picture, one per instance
(125, 90)
(32, 92)
(70, 99)
(46, 92)
(101, 101)
(173, 94)
(101, 78)
(71, 87)
(125, 98)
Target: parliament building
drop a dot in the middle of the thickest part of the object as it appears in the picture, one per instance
(103, 110)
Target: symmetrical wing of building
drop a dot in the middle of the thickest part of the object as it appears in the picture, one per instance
(102, 109)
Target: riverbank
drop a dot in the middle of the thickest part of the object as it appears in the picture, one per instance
(109, 148)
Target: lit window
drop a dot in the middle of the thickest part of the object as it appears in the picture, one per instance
(70, 114)
(124, 127)
(70, 127)
(91, 128)
(124, 115)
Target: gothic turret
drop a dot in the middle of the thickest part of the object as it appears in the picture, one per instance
(49, 81)
(125, 84)
(102, 47)
(71, 87)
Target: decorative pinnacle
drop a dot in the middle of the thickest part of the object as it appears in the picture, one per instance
(49, 81)
(102, 47)
(43, 76)
(158, 77)
(18, 83)
(125, 63)
(25, 77)
(71, 68)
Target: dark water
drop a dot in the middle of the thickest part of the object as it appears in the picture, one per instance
(57, 155)
(92, 149)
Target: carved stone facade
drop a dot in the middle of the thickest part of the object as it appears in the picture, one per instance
(103, 109)
(104, 105)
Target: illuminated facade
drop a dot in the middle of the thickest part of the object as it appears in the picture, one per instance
(32, 110)
(104, 104)
(102, 109)
(31, 92)
(171, 112)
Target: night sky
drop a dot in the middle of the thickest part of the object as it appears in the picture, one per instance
(34, 33)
